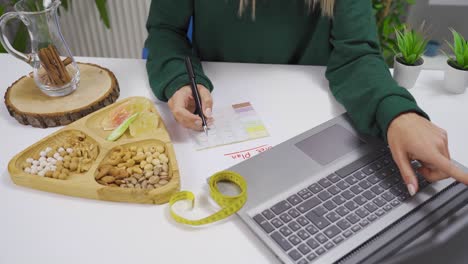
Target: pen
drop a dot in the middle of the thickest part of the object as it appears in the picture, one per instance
(196, 95)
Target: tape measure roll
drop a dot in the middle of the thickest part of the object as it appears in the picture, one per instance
(229, 204)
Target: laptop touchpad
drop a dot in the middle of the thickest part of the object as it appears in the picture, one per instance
(329, 144)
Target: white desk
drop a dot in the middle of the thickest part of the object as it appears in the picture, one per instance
(41, 227)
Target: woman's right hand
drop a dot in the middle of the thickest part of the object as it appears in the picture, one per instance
(182, 106)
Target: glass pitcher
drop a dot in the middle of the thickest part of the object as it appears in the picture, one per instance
(54, 69)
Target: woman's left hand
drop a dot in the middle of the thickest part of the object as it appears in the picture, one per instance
(412, 137)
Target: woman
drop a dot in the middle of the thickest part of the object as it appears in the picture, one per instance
(340, 34)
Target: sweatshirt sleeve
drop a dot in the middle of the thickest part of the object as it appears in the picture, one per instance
(357, 73)
(168, 45)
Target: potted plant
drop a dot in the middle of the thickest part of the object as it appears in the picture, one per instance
(410, 45)
(456, 73)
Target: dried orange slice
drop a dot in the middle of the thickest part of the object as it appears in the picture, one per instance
(145, 124)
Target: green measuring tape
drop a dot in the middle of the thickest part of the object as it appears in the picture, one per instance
(229, 204)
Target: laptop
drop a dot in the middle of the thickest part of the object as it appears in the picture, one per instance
(333, 195)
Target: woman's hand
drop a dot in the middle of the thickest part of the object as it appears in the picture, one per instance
(412, 137)
(182, 106)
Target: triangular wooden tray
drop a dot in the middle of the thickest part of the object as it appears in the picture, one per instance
(84, 184)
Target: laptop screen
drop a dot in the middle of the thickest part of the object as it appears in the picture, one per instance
(329, 144)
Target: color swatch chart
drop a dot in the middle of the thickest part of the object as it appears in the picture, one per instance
(232, 124)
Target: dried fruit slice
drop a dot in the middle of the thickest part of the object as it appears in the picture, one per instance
(146, 123)
(121, 112)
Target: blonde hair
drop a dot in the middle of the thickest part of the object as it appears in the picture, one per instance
(326, 6)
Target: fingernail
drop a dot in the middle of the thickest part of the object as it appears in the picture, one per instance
(198, 123)
(208, 112)
(411, 189)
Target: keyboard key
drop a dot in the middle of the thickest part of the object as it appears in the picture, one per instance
(338, 199)
(268, 214)
(276, 222)
(379, 201)
(333, 190)
(368, 170)
(348, 195)
(321, 238)
(395, 191)
(371, 207)
(303, 261)
(294, 199)
(264, 223)
(356, 165)
(342, 210)
(351, 180)
(377, 189)
(404, 196)
(376, 166)
(294, 254)
(294, 213)
(281, 241)
(311, 229)
(333, 178)
(320, 210)
(320, 251)
(338, 240)
(286, 218)
(302, 221)
(395, 203)
(280, 207)
(364, 223)
(359, 175)
(329, 245)
(308, 204)
(356, 189)
(315, 188)
(332, 231)
(343, 185)
(386, 160)
(384, 173)
(352, 218)
(372, 217)
(351, 205)
(324, 195)
(330, 205)
(347, 233)
(285, 231)
(294, 226)
(360, 200)
(304, 235)
(361, 212)
(318, 221)
(311, 257)
(386, 184)
(294, 240)
(388, 196)
(365, 184)
(325, 183)
(343, 224)
(305, 194)
(380, 212)
(333, 217)
(356, 228)
(373, 179)
(388, 207)
(369, 195)
(312, 243)
(304, 249)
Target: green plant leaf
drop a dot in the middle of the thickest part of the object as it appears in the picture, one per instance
(21, 38)
(65, 4)
(102, 8)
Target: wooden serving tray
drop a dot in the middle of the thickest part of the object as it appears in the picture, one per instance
(84, 184)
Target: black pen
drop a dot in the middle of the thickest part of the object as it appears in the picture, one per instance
(196, 95)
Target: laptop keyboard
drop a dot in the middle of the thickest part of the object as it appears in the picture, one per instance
(313, 221)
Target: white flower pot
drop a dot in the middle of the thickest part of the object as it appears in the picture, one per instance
(456, 80)
(406, 75)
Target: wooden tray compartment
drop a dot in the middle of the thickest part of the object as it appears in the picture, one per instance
(84, 184)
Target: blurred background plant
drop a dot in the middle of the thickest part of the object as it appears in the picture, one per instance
(20, 37)
(390, 15)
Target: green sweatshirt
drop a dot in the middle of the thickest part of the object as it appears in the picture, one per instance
(283, 32)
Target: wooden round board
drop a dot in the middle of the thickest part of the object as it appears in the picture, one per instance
(98, 88)
(85, 183)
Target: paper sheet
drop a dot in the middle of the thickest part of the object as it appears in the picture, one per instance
(232, 124)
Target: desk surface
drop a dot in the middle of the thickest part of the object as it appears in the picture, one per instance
(41, 227)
